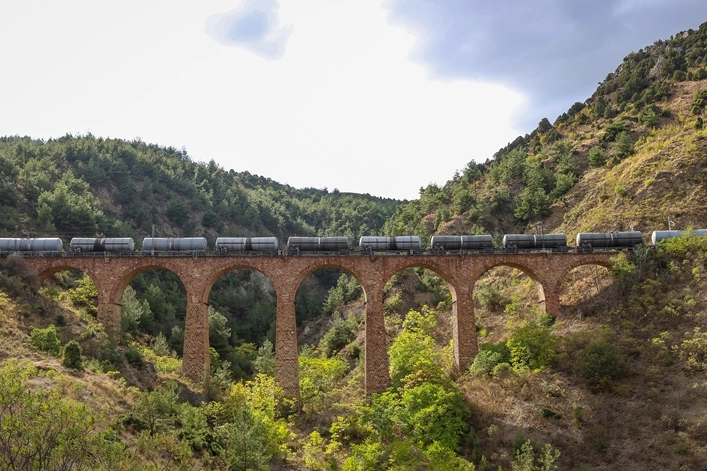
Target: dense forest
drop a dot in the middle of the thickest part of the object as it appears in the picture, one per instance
(617, 381)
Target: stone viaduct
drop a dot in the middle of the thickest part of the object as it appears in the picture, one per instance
(112, 274)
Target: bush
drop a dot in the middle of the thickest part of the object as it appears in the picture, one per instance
(532, 347)
(491, 299)
(46, 340)
(342, 332)
(490, 356)
(133, 355)
(72, 356)
(599, 363)
(597, 157)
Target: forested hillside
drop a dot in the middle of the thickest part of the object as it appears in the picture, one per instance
(629, 157)
(617, 381)
(86, 186)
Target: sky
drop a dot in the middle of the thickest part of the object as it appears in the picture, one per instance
(367, 96)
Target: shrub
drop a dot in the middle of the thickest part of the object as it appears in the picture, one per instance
(532, 347)
(597, 157)
(491, 299)
(490, 356)
(599, 363)
(342, 332)
(46, 340)
(72, 355)
(133, 355)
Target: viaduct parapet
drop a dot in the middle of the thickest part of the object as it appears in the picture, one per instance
(112, 274)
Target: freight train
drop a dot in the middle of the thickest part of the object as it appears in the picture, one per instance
(368, 245)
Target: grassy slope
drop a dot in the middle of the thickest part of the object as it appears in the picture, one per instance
(665, 177)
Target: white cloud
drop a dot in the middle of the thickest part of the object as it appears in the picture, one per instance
(343, 107)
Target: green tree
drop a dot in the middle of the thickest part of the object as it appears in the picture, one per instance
(85, 295)
(597, 157)
(623, 147)
(600, 363)
(157, 411)
(132, 311)
(242, 442)
(42, 430)
(72, 355)
(265, 361)
(70, 206)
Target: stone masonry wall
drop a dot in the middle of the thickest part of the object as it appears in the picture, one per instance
(112, 274)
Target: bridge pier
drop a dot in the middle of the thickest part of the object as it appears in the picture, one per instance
(286, 349)
(109, 316)
(196, 359)
(465, 340)
(377, 375)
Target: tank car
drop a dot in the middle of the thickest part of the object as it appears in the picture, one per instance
(318, 244)
(247, 244)
(174, 244)
(390, 243)
(41, 245)
(657, 236)
(555, 242)
(116, 244)
(462, 242)
(588, 240)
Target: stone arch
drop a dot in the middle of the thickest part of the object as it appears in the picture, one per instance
(452, 272)
(527, 270)
(448, 279)
(103, 286)
(118, 288)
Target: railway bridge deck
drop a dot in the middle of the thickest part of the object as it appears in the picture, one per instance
(112, 274)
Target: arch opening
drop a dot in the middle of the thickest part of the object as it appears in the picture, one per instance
(330, 306)
(417, 289)
(504, 298)
(422, 321)
(585, 291)
(242, 309)
(330, 310)
(153, 301)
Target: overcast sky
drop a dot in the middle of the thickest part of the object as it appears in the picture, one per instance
(367, 96)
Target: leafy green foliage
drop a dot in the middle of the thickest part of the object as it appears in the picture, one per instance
(42, 430)
(347, 289)
(134, 313)
(84, 296)
(265, 361)
(46, 340)
(526, 460)
(72, 355)
(342, 332)
(600, 363)
(70, 206)
(156, 411)
(413, 354)
(597, 157)
(488, 357)
(318, 376)
(532, 347)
